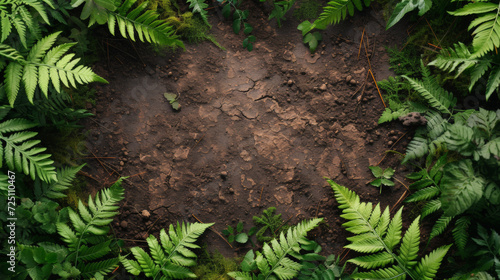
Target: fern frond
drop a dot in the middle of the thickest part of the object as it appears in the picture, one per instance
(53, 190)
(429, 265)
(461, 232)
(146, 23)
(20, 152)
(417, 148)
(431, 207)
(199, 6)
(387, 239)
(406, 6)
(436, 96)
(487, 25)
(424, 194)
(96, 270)
(274, 261)
(461, 188)
(458, 58)
(440, 226)
(10, 53)
(173, 256)
(337, 10)
(42, 65)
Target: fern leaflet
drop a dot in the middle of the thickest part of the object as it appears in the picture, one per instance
(172, 257)
(199, 6)
(378, 235)
(487, 32)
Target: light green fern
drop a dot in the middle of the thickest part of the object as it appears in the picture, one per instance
(143, 22)
(21, 153)
(171, 258)
(406, 6)
(334, 12)
(379, 236)
(199, 6)
(274, 262)
(429, 89)
(54, 189)
(87, 239)
(487, 25)
(459, 59)
(16, 15)
(45, 64)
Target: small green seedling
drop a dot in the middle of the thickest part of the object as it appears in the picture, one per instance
(173, 99)
(238, 235)
(383, 177)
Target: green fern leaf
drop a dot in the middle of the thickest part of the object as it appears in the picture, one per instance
(493, 80)
(98, 269)
(461, 232)
(94, 252)
(20, 153)
(172, 257)
(460, 139)
(431, 207)
(424, 194)
(147, 26)
(436, 96)
(407, 6)
(458, 58)
(337, 10)
(10, 53)
(13, 76)
(199, 6)
(6, 27)
(405, 264)
(53, 190)
(461, 188)
(417, 148)
(440, 226)
(429, 265)
(487, 32)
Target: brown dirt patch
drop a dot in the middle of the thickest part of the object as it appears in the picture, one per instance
(256, 129)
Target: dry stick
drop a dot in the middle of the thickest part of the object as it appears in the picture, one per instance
(346, 254)
(401, 183)
(87, 175)
(133, 240)
(152, 225)
(399, 200)
(98, 157)
(361, 86)
(375, 81)
(432, 31)
(437, 47)
(361, 42)
(385, 154)
(214, 231)
(138, 174)
(100, 162)
(284, 224)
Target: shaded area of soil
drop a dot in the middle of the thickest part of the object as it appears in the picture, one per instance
(256, 129)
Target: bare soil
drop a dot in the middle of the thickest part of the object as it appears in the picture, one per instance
(256, 129)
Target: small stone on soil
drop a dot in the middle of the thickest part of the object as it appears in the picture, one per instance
(145, 213)
(323, 87)
(123, 224)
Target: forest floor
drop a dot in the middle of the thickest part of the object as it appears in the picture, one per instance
(256, 129)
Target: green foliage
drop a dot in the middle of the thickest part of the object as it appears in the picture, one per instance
(45, 63)
(16, 15)
(406, 6)
(21, 153)
(274, 261)
(333, 13)
(489, 252)
(87, 238)
(54, 190)
(328, 270)
(308, 9)
(239, 235)
(460, 60)
(269, 223)
(239, 21)
(487, 25)
(280, 8)
(382, 177)
(429, 89)
(170, 259)
(199, 6)
(214, 266)
(377, 235)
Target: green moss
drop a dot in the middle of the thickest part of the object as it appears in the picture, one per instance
(308, 9)
(214, 266)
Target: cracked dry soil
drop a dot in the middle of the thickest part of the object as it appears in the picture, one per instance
(256, 129)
